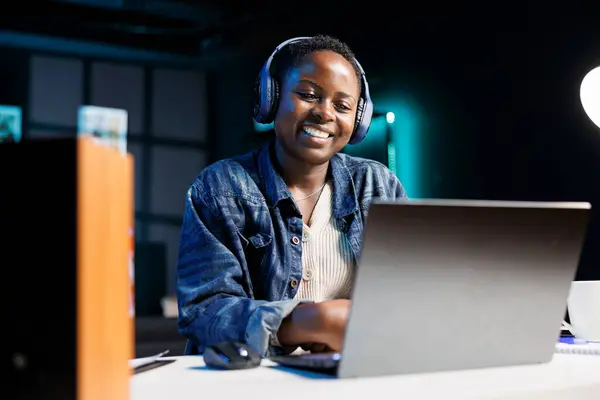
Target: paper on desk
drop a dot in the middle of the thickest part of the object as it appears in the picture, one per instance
(140, 362)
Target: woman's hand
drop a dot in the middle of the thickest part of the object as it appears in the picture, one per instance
(319, 327)
(333, 320)
(316, 348)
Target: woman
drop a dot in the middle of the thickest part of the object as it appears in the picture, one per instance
(270, 239)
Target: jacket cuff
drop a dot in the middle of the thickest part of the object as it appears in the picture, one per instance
(264, 323)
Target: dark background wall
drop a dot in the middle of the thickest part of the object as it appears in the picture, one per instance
(486, 95)
(487, 100)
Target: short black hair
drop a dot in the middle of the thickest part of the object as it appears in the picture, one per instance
(293, 54)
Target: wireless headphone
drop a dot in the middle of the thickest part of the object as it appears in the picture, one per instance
(266, 97)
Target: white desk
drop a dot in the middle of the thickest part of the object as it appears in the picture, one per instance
(571, 377)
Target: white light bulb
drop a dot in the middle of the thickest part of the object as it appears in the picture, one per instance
(390, 117)
(590, 95)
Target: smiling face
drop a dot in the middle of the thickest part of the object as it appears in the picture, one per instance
(317, 108)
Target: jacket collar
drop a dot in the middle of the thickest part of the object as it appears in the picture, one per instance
(275, 189)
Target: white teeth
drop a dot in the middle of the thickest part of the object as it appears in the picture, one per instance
(315, 132)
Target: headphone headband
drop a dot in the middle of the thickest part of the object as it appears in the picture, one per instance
(281, 46)
(266, 96)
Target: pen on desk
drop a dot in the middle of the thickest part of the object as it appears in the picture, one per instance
(162, 354)
(572, 340)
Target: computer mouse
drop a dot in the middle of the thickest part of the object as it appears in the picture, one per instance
(231, 355)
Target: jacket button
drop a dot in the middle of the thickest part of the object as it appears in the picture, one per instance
(295, 240)
(294, 283)
(308, 274)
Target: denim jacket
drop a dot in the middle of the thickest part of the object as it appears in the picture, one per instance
(240, 263)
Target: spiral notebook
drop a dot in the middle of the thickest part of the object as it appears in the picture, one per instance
(590, 349)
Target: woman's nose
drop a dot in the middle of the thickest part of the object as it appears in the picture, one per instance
(324, 110)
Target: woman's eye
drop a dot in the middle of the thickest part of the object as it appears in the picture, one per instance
(307, 96)
(343, 107)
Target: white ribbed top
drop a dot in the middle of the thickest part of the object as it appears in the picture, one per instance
(327, 264)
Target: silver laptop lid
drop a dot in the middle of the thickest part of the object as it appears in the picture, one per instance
(448, 284)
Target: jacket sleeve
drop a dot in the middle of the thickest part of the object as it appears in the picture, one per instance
(213, 301)
(394, 187)
(398, 188)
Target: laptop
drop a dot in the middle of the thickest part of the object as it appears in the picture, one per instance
(452, 284)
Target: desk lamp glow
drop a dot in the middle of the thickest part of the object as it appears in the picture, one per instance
(589, 93)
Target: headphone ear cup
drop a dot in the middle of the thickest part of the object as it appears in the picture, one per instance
(264, 95)
(364, 110)
(357, 134)
(364, 113)
(257, 100)
(360, 112)
(274, 100)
